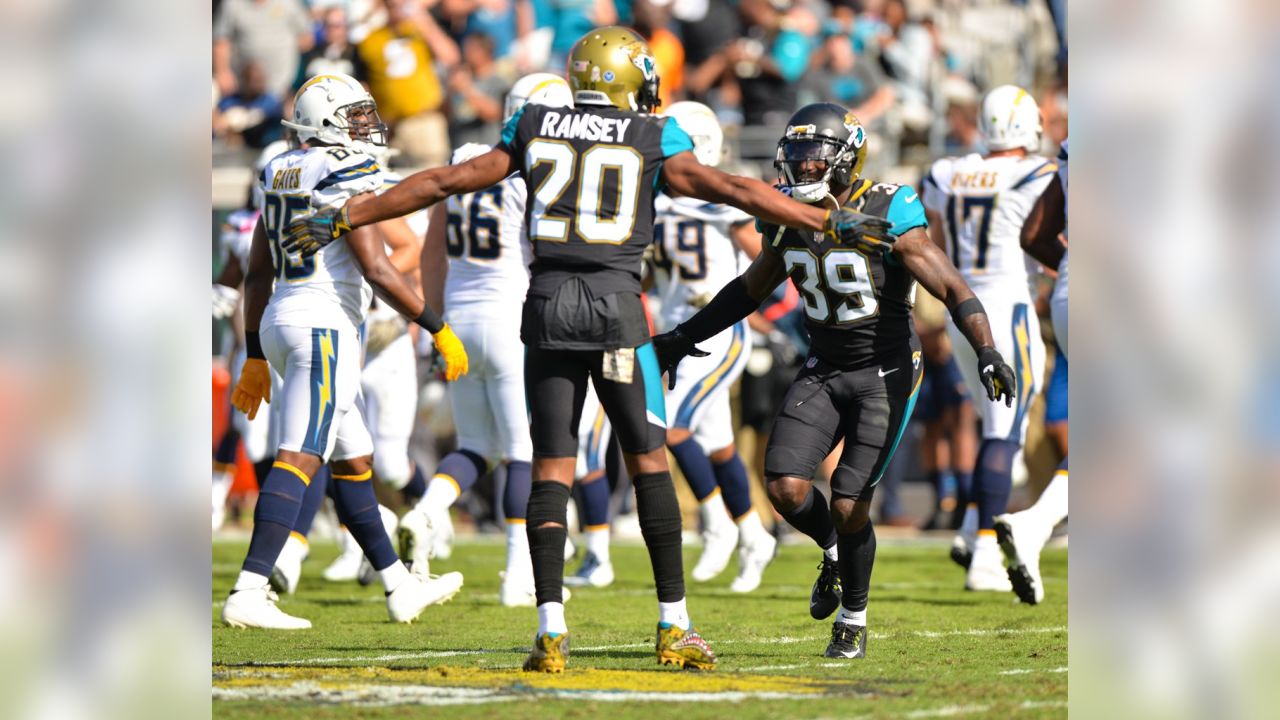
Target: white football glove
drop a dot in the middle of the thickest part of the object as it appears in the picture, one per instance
(225, 301)
(469, 151)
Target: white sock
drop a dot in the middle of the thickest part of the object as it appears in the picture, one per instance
(440, 496)
(1051, 508)
(715, 518)
(598, 543)
(250, 581)
(519, 562)
(986, 542)
(852, 617)
(674, 613)
(551, 618)
(833, 553)
(750, 529)
(393, 575)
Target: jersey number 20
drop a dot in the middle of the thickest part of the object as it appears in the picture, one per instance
(593, 168)
(843, 273)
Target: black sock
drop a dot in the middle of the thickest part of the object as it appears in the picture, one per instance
(546, 528)
(813, 518)
(857, 555)
(660, 524)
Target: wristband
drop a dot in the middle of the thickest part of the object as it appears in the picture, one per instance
(253, 346)
(972, 306)
(429, 320)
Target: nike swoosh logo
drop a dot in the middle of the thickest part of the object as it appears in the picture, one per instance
(882, 372)
(910, 200)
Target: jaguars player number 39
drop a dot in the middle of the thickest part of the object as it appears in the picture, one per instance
(864, 369)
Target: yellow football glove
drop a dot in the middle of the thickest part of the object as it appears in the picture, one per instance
(253, 388)
(452, 352)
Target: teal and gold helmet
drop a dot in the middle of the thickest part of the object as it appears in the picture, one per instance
(613, 66)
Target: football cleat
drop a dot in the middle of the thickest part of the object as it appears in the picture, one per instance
(256, 608)
(522, 593)
(986, 572)
(288, 567)
(549, 654)
(962, 550)
(683, 648)
(753, 558)
(1021, 542)
(717, 548)
(346, 567)
(591, 573)
(413, 536)
(825, 597)
(847, 641)
(441, 535)
(411, 597)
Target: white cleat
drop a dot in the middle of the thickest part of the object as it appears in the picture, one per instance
(441, 525)
(414, 540)
(288, 567)
(256, 608)
(521, 592)
(752, 560)
(569, 549)
(416, 593)
(717, 549)
(591, 573)
(346, 567)
(986, 572)
(962, 549)
(1021, 540)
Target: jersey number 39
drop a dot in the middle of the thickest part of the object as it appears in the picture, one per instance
(839, 284)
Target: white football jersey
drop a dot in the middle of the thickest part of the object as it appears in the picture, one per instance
(418, 220)
(1062, 177)
(237, 235)
(488, 250)
(326, 290)
(984, 203)
(694, 254)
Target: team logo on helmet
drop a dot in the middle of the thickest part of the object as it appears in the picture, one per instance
(645, 62)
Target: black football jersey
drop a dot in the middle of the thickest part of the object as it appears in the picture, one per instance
(857, 305)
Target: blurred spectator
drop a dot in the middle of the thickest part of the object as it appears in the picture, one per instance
(477, 91)
(962, 118)
(651, 18)
(841, 75)
(495, 18)
(570, 20)
(906, 53)
(398, 58)
(706, 26)
(334, 54)
(271, 32)
(251, 115)
(1053, 103)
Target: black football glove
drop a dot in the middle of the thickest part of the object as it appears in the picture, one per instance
(309, 234)
(997, 376)
(867, 233)
(671, 348)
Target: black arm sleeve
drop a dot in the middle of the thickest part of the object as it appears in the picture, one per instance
(729, 306)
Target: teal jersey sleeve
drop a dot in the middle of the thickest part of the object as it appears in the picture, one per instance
(509, 130)
(674, 139)
(906, 211)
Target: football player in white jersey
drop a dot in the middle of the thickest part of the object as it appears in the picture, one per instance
(1022, 535)
(303, 314)
(697, 252)
(977, 205)
(483, 236)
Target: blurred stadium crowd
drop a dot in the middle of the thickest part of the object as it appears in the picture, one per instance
(912, 71)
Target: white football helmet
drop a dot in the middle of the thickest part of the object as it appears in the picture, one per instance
(1009, 118)
(539, 89)
(702, 125)
(335, 109)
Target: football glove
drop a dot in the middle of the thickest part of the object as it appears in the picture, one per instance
(308, 235)
(452, 352)
(997, 376)
(225, 300)
(253, 388)
(671, 348)
(867, 233)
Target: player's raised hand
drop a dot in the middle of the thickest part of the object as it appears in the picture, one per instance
(997, 376)
(253, 388)
(309, 234)
(867, 233)
(452, 352)
(671, 348)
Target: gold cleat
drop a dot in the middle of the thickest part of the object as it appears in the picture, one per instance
(684, 648)
(549, 654)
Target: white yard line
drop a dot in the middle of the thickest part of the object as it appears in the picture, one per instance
(1028, 671)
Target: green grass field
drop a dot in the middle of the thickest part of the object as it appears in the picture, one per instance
(934, 650)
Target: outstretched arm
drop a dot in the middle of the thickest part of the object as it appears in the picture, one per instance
(685, 175)
(428, 187)
(1047, 220)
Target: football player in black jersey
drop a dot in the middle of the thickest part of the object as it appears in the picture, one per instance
(592, 172)
(860, 381)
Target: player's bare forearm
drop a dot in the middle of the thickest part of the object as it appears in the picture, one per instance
(404, 244)
(685, 175)
(434, 264)
(937, 234)
(388, 283)
(737, 299)
(259, 279)
(937, 275)
(1045, 223)
(232, 274)
(428, 187)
